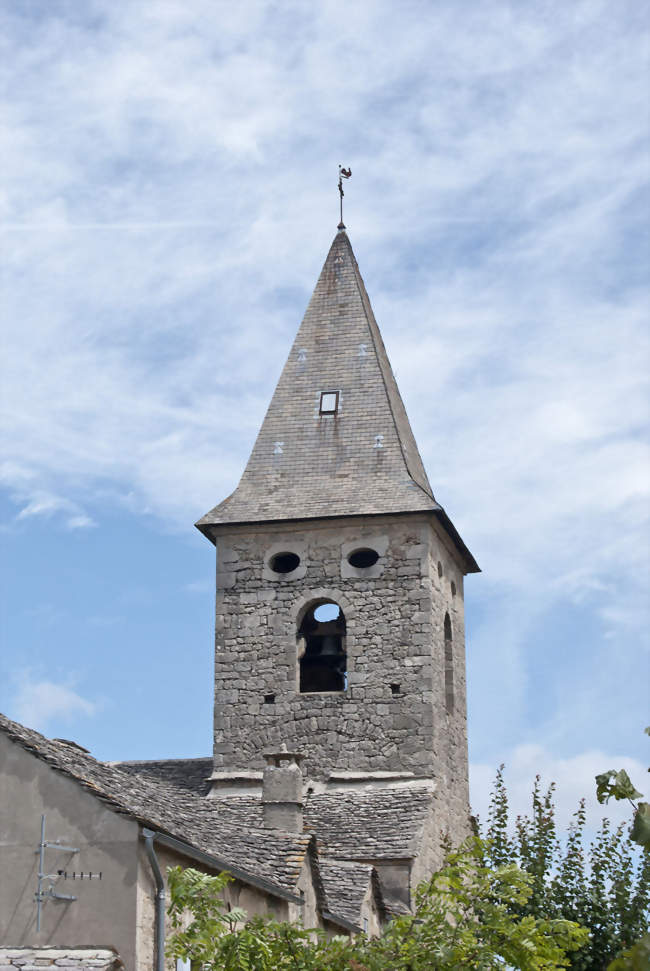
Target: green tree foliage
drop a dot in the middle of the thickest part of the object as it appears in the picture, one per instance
(635, 958)
(465, 917)
(619, 785)
(605, 887)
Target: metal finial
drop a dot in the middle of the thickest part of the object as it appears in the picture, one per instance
(343, 174)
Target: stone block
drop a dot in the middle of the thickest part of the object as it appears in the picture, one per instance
(226, 579)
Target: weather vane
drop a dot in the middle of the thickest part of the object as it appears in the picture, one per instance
(343, 174)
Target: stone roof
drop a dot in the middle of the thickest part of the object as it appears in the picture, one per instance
(273, 857)
(192, 775)
(328, 465)
(360, 824)
(346, 886)
(357, 824)
(168, 795)
(395, 908)
(369, 824)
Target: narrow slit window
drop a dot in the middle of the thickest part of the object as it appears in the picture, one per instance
(449, 666)
(329, 402)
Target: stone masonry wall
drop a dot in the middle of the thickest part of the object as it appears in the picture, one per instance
(450, 742)
(394, 614)
(68, 958)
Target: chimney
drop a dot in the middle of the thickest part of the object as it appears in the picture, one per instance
(282, 791)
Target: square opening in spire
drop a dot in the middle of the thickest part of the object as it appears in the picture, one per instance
(329, 402)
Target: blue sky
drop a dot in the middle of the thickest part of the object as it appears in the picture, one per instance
(168, 197)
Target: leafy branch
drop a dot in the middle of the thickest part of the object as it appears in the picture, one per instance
(618, 785)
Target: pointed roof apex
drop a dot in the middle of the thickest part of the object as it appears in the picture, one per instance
(336, 439)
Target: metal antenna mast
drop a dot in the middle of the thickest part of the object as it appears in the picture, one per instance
(41, 894)
(343, 174)
(47, 882)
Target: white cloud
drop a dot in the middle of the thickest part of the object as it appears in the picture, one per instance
(43, 503)
(40, 703)
(80, 522)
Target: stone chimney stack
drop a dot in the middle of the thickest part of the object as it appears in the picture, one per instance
(282, 791)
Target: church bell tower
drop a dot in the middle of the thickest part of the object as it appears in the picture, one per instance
(339, 618)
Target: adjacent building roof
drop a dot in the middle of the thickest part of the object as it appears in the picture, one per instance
(369, 824)
(73, 958)
(271, 859)
(169, 796)
(363, 459)
(189, 775)
(347, 885)
(360, 824)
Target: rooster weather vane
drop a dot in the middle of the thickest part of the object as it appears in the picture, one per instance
(343, 174)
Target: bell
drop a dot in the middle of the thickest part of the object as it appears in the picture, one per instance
(331, 645)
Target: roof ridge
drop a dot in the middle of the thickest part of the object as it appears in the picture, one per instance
(384, 362)
(191, 758)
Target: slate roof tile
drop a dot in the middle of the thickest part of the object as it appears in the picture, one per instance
(169, 795)
(369, 824)
(346, 886)
(360, 824)
(191, 775)
(329, 465)
(274, 856)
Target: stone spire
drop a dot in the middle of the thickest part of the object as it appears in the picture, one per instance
(336, 439)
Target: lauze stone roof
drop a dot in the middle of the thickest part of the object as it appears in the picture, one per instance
(361, 460)
(347, 885)
(358, 824)
(68, 958)
(361, 824)
(346, 829)
(369, 824)
(272, 856)
(190, 775)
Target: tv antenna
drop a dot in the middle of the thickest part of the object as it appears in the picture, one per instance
(47, 882)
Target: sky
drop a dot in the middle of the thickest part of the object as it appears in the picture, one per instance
(168, 196)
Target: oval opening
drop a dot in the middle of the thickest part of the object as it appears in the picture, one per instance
(363, 558)
(284, 562)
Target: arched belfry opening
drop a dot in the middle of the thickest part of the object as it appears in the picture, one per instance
(322, 656)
